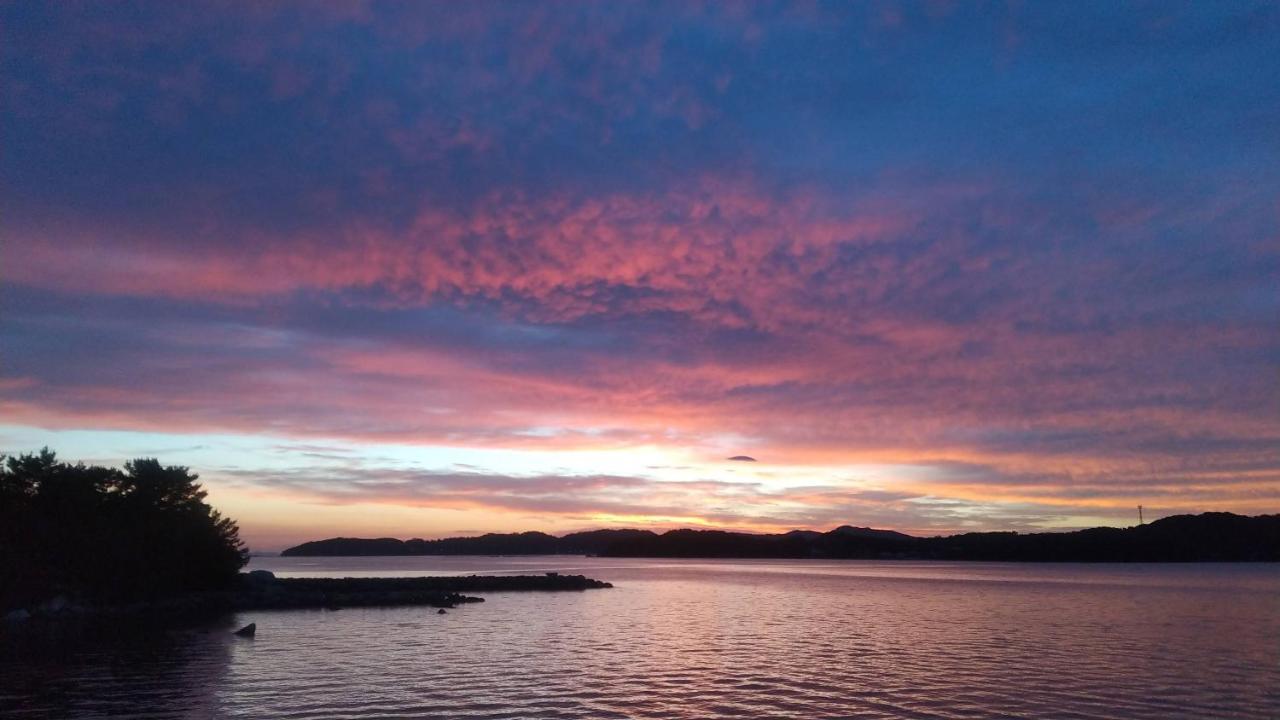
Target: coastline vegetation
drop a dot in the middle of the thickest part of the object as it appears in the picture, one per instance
(101, 535)
(87, 541)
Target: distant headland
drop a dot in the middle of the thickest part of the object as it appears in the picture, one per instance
(1208, 537)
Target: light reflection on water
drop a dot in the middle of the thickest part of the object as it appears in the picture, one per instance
(711, 638)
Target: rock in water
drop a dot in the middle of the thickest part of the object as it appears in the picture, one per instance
(248, 630)
(260, 577)
(440, 611)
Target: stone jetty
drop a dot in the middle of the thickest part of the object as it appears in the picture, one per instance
(438, 592)
(260, 590)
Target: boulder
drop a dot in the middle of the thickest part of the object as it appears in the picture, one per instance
(248, 630)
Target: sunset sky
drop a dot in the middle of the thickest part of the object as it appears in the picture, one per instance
(421, 270)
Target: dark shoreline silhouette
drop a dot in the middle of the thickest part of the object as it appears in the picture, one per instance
(261, 590)
(97, 536)
(84, 542)
(1208, 537)
(593, 542)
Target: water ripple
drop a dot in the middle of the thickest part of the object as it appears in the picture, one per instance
(717, 640)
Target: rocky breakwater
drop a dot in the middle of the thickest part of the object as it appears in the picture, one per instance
(261, 590)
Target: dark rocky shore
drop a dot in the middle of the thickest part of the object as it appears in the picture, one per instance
(442, 592)
(260, 590)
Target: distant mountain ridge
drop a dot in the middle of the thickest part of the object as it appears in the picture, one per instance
(593, 542)
(1208, 537)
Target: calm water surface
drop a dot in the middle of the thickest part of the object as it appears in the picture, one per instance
(710, 639)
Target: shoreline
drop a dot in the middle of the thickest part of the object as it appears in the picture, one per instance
(261, 590)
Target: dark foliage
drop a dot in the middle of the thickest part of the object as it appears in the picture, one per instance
(103, 534)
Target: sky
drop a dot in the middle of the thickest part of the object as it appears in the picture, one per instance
(430, 269)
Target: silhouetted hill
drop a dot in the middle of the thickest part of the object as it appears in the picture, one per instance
(1209, 537)
(842, 542)
(1181, 538)
(863, 532)
(595, 542)
(592, 542)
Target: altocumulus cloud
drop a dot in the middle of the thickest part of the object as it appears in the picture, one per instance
(217, 226)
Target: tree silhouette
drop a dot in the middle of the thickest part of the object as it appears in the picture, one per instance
(103, 534)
